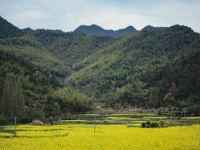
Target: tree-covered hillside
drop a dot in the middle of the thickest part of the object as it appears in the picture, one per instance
(69, 47)
(53, 73)
(120, 73)
(41, 70)
(8, 30)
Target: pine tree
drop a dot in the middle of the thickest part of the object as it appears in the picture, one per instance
(20, 103)
(6, 104)
(3, 100)
(12, 100)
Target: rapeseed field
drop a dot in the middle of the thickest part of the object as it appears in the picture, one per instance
(100, 137)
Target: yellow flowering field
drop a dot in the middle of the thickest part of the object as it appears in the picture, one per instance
(105, 137)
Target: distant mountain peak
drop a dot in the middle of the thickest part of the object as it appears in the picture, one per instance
(7, 29)
(182, 28)
(130, 27)
(150, 28)
(90, 26)
(27, 30)
(96, 30)
(94, 25)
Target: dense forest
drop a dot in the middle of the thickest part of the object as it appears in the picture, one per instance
(95, 30)
(51, 73)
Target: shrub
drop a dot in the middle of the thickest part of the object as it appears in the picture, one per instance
(53, 120)
(24, 120)
(163, 124)
(149, 124)
(154, 125)
(143, 125)
(3, 120)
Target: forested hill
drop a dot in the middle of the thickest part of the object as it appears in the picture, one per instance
(58, 73)
(7, 29)
(125, 72)
(95, 30)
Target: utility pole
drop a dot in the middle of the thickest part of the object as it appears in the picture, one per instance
(171, 114)
(130, 120)
(95, 124)
(15, 130)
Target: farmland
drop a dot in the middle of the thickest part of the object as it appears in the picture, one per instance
(118, 137)
(111, 131)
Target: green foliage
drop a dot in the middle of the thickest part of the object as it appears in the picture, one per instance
(168, 99)
(156, 59)
(163, 123)
(70, 100)
(12, 101)
(193, 109)
(31, 53)
(178, 82)
(149, 124)
(133, 94)
(65, 72)
(3, 120)
(143, 125)
(69, 47)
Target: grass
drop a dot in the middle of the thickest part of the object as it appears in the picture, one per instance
(117, 137)
(157, 118)
(122, 118)
(135, 118)
(89, 114)
(74, 121)
(134, 115)
(192, 118)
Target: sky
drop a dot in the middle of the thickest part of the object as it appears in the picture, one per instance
(67, 15)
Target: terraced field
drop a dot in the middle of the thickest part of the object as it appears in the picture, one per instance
(135, 119)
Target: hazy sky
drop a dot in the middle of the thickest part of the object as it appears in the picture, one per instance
(110, 14)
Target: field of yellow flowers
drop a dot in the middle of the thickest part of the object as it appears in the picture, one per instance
(102, 137)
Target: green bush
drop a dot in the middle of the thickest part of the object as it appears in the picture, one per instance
(3, 120)
(154, 125)
(143, 125)
(149, 124)
(163, 123)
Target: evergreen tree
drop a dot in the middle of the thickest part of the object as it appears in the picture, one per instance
(12, 101)
(20, 103)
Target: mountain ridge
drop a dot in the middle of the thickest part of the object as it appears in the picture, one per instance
(96, 30)
(8, 30)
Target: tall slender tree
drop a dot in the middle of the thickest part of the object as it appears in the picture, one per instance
(20, 103)
(12, 101)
